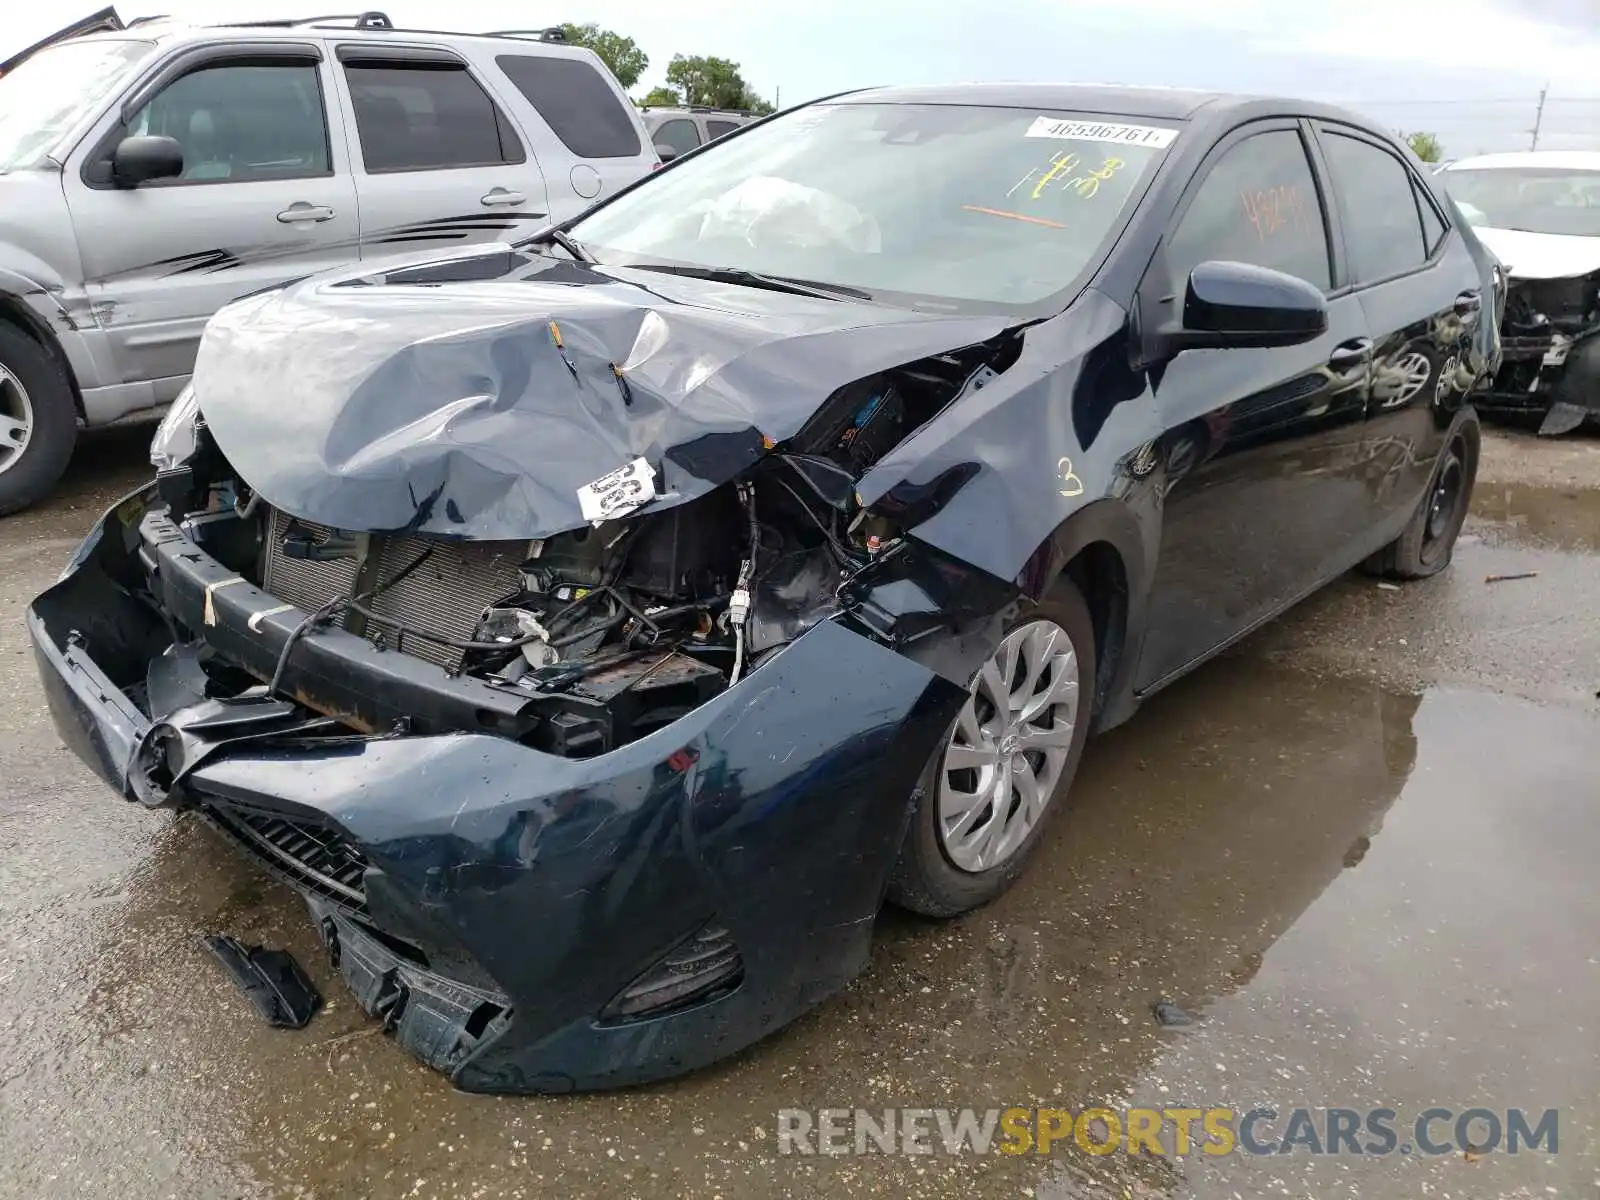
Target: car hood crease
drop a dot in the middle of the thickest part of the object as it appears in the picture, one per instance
(440, 401)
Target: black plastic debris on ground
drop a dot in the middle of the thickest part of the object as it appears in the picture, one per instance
(1170, 1015)
(271, 980)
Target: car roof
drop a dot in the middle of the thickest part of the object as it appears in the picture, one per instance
(166, 30)
(1113, 99)
(1560, 160)
(1169, 103)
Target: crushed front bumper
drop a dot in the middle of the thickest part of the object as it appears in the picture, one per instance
(1538, 371)
(490, 902)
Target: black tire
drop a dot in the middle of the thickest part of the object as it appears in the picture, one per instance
(1426, 545)
(28, 477)
(925, 880)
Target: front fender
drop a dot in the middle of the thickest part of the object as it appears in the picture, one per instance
(1011, 463)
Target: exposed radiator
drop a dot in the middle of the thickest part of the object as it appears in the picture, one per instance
(445, 595)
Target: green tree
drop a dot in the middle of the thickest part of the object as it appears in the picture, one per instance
(1425, 146)
(661, 97)
(621, 54)
(755, 103)
(715, 82)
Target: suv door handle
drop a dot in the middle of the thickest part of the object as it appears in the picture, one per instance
(1468, 302)
(1351, 354)
(499, 196)
(301, 211)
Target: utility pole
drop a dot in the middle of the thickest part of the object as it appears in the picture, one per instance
(1538, 117)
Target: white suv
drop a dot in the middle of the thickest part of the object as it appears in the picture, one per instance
(151, 175)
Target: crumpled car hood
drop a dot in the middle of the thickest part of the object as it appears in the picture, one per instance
(1541, 255)
(472, 396)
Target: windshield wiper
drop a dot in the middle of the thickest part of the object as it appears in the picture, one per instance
(772, 283)
(558, 237)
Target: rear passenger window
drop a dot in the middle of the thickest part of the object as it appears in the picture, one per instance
(1258, 204)
(717, 128)
(580, 106)
(1382, 231)
(678, 133)
(425, 116)
(1433, 228)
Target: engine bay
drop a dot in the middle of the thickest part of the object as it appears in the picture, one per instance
(614, 629)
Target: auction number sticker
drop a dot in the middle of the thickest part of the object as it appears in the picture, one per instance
(618, 493)
(1153, 136)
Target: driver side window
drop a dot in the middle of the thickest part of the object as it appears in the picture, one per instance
(1258, 204)
(239, 122)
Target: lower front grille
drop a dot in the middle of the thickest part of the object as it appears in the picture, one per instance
(444, 596)
(314, 857)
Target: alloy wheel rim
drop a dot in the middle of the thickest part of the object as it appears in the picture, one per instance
(16, 419)
(1445, 386)
(1415, 369)
(1008, 747)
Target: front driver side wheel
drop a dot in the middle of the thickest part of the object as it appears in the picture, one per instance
(38, 421)
(1005, 764)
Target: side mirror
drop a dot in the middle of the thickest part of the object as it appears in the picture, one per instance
(665, 152)
(1234, 305)
(138, 160)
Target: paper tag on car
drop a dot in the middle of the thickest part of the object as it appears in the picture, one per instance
(1557, 354)
(618, 493)
(1153, 136)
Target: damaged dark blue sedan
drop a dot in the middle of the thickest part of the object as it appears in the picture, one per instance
(595, 631)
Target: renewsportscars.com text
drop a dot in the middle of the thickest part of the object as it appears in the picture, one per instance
(1167, 1132)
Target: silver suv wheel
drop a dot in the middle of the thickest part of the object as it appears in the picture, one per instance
(16, 419)
(1008, 747)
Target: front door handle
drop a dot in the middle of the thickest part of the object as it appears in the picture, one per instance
(499, 197)
(1347, 356)
(1467, 303)
(300, 211)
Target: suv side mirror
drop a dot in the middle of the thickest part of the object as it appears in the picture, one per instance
(665, 152)
(1234, 305)
(138, 160)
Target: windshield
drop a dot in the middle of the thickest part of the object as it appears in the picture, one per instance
(1538, 200)
(932, 205)
(56, 88)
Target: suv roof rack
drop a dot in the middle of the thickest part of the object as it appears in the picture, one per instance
(371, 19)
(552, 34)
(697, 108)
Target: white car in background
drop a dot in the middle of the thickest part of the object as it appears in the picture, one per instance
(1539, 212)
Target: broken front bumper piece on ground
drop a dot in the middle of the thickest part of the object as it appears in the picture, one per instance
(520, 920)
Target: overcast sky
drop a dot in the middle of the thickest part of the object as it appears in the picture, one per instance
(1469, 70)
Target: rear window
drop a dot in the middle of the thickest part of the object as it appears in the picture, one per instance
(576, 102)
(717, 128)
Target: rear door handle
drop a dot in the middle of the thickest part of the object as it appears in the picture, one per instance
(1349, 355)
(1467, 303)
(500, 197)
(300, 211)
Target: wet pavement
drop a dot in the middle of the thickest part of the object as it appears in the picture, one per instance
(1360, 849)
